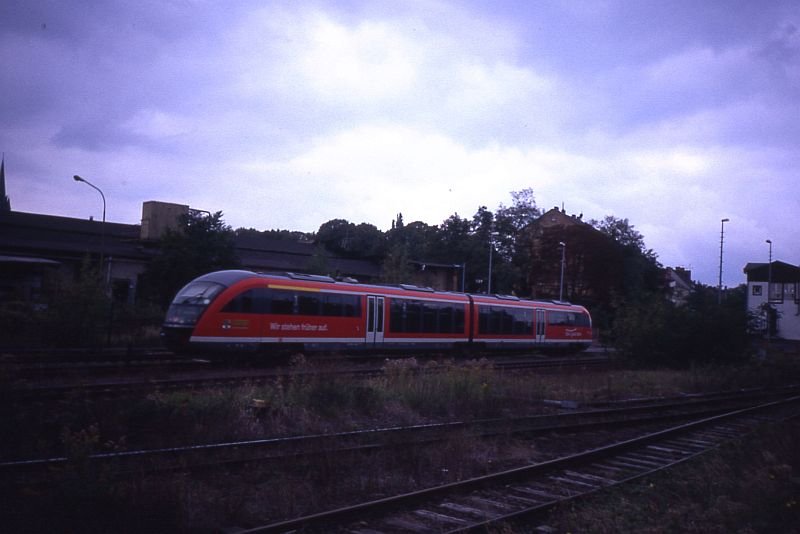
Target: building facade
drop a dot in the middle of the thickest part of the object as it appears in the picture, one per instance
(773, 291)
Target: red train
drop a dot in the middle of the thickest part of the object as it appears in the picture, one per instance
(235, 310)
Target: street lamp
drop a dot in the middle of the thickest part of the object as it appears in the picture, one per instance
(103, 227)
(769, 290)
(102, 255)
(561, 283)
(721, 240)
(769, 269)
(492, 235)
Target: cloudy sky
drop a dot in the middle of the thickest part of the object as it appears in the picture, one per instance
(672, 114)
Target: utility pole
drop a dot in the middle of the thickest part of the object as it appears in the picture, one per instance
(721, 240)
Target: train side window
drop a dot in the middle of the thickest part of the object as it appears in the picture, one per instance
(459, 319)
(483, 319)
(282, 302)
(497, 320)
(508, 321)
(417, 316)
(397, 311)
(332, 305)
(254, 300)
(560, 318)
(352, 305)
(413, 321)
(523, 322)
(308, 304)
(429, 311)
(244, 302)
(557, 318)
(446, 313)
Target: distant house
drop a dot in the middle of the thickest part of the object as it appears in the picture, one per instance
(679, 285)
(772, 298)
(546, 236)
(264, 254)
(441, 276)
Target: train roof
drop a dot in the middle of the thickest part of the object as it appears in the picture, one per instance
(230, 277)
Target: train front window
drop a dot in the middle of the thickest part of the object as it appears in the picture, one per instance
(191, 301)
(198, 294)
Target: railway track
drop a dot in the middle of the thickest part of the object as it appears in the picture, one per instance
(280, 449)
(188, 374)
(528, 492)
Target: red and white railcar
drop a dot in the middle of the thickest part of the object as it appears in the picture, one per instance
(245, 310)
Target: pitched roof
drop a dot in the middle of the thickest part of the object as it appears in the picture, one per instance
(781, 272)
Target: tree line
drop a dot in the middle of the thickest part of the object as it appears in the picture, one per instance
(526, 260)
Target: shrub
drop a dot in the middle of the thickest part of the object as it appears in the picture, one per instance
(653, 331)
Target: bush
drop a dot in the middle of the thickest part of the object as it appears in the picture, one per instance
(18, 324)
(653, 331)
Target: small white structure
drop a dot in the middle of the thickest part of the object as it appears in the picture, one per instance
(776, 284)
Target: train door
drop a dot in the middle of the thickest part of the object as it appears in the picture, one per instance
(374, 320)
(540, 325)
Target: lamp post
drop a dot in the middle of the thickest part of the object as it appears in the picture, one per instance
(103, 227)
(561, 282)
(721, 240)
(107, 278)
(769, 290)
(769, 267)
(491, 249)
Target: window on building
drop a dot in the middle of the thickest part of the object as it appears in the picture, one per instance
(790, 291)
(757, 290)
(776, 292)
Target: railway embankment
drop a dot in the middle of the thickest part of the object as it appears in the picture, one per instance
(83, 494)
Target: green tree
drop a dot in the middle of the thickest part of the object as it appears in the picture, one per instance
(201, 244)
(621, 231)
(511, 221)
(281, 235)
(458, 243)
(396, 268)
(79, 312)
(352, 241)
(652, 331)
(513, 249)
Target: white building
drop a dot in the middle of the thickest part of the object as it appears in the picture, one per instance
(778, 284)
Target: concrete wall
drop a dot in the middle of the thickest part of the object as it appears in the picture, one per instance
(158, 217)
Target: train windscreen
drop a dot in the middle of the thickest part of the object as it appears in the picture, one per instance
(191, 301)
